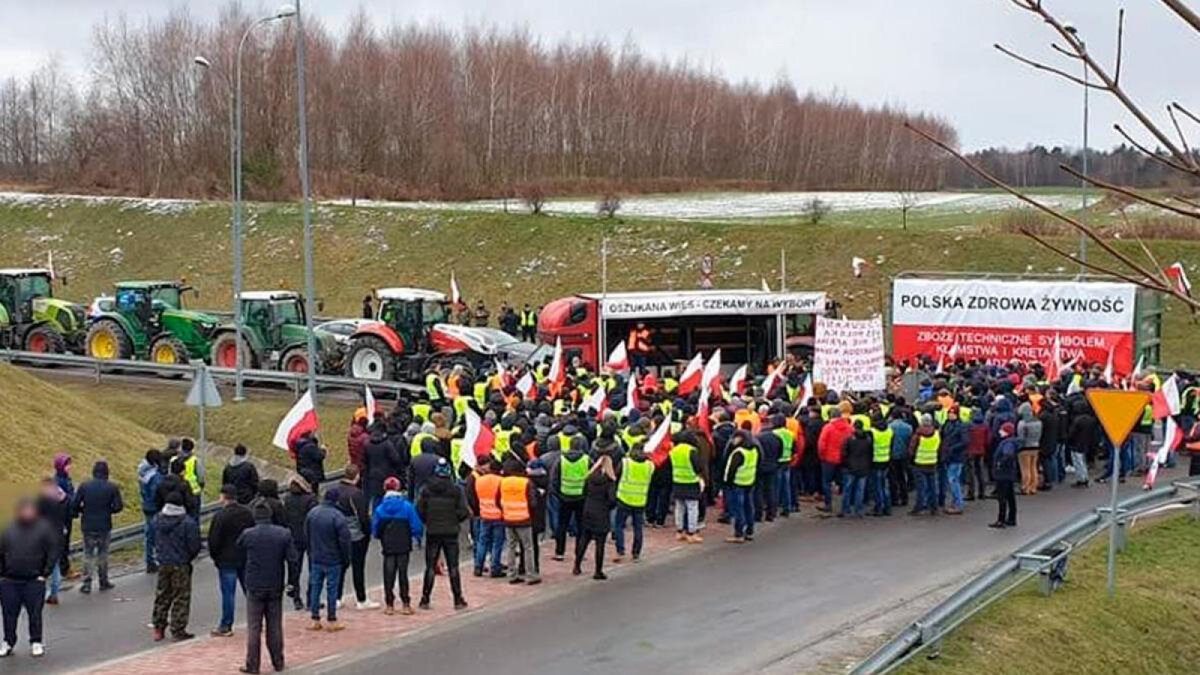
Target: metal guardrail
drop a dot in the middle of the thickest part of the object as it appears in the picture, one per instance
(296, 381)
(1039, 558)
(124, 537)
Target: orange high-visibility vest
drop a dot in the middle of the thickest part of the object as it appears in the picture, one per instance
(487, 488)
(514, 501)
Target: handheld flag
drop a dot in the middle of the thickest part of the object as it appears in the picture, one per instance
(711, 375)
(655, 442)
(1166, 400)
(301, 419)
(618, 360)
(527, 385)
(1172, 435)
(631, 395)
(691, 375)
(1179, 278)
(1108, 367)
(595, 401)
(478, 438)
(455, 294)
(806, 392)
(557, 371)
(737, 383)
(372, 405)
(771, 380)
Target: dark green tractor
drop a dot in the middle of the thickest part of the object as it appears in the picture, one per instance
(146, 320)
(274, 336)
(32, 319)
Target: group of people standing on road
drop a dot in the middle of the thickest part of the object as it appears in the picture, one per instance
(554, 468)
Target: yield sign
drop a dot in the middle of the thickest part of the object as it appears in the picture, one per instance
(1117, 411)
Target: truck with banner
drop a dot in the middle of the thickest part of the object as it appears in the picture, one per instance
(749, 326)
(994, 319)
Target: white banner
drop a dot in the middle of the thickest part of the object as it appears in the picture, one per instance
(990, 303)
(849, 354)
(708, 303)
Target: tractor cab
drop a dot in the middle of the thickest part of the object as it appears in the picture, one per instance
(146, 301)
(270, 313)
(31, 318)
(274, 335)
(412, 313)
(147, 320)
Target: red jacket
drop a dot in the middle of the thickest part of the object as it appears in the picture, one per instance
(356, 444)
(977, 440)
(833, 437)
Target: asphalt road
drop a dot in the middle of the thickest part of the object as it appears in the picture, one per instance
(734, 609)
(716, 608)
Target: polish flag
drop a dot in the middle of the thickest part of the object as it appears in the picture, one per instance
(737, 383)
(710, 380)
(772, 380)
(1108, 367)
(301, 419)
(455, 294)
(1166, 400)
(527, 385)
(506, 378)
(656, 443)
(557, 370)
(631, 395)
(947, 357)
(691, 375)
(372, 406)
(806, 392)
(1172, 435)
(478, 439)
(596, 401)
(1179, 278)
(618, 360)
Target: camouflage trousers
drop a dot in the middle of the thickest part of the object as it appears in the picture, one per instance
(173, 597)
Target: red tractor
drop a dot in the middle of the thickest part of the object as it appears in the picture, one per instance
(410, 335)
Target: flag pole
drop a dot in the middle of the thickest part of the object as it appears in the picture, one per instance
(602, 351)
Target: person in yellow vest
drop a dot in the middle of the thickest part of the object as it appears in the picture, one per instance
(193, 467)
(518, 501)
(433, 387)
(687, 485)
(923, 449)
(483, 496)
(633, 489)
(504, 437)
(881, 438)
(741, 470)
(528, 322)
(566, 483)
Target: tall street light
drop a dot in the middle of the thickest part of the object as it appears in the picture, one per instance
(306, 207)
(1083, 183)
(283, 12)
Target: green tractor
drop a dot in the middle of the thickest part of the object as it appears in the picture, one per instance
(274, 336)
(32, 319)
(146, 320)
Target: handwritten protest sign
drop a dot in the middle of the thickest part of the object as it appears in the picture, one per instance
(849, 354)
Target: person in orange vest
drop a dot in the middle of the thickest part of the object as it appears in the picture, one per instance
(483, 496)
(518, 500)
(638, 345)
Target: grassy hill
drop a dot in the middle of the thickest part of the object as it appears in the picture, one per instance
(1149, 627)
(523, 258)
(40, 420)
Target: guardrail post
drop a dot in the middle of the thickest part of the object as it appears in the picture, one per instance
(97, 362)
(1122, 534)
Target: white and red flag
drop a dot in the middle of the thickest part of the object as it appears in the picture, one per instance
(737, 383)
(631, 395)
(1165, 401)
(772, 380)
(455, 294)
(478, 438)
(301, 419)
(806, 392)
(618, 360)
(371, 404)
(1179, 278)
(597, 401)
(710, 379)
(527, 385)
(558, 371)
(656, 442)
(690, 379)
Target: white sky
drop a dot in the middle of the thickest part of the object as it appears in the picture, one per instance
(932, 55)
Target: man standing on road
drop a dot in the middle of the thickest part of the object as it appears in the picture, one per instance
(95, 503)
(566, 482)
(954, 454)
(923, 449)
(353, 504)
(266, 548)
(241, 473)
(298, 502)
(442, 508)
(29, 550)
(328, 555)
(518, 502)
(1006, 473)
(633, 488)
(177, 536)
(193, 469)
(686, 486)
(227, 525)
(740, 473)
(483, 496)
(394, 522)
(150, 475)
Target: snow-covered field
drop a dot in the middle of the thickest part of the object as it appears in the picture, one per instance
(694, 206)
(749, 205)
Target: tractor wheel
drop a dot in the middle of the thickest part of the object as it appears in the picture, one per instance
(168, 350)
(224, 352)
(294, 361)
(447, 363)
(370, 358)
(45, 340)
(106, 340)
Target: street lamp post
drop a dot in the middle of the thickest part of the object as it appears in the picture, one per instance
(283, 12)
(306, 207)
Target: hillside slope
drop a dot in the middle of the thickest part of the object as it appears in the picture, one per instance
(521, 258)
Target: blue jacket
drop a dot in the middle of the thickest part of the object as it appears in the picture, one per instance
(96, 501)
(149, 476)
(901, 434)
(266, 548)
(327, 535)
(178, 536)
(954, 442)
(396, 524)
(1004, 462)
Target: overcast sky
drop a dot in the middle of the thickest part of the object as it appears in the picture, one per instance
(931, 55)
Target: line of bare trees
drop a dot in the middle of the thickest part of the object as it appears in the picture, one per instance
(1039, 166)
(407, 111)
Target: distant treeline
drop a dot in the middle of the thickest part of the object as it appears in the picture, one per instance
(418, 111)
(1038, 166)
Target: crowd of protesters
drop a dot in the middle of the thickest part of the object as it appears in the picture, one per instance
(555, 468)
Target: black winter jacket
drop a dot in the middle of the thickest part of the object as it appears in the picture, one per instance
(29, 550)
(242, 475)
(96, 501)
(227, 525)
(599, 499)
(310, 462)
(442, 507)
(380, 460)
(178, 536)
(266, 548)
(296, 505)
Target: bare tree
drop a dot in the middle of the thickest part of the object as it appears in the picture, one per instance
(905, 200)
(815, 210)
(609, 204)
(1176, 154)
(534, 198)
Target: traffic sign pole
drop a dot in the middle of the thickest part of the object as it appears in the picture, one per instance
(203, 395)
(1112, 527)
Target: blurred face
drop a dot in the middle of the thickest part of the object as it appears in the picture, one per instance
(27, 512)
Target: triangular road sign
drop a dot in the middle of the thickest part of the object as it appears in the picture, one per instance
(204, 391)
(1117, 411)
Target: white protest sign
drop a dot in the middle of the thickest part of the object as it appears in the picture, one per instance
(849, 354)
